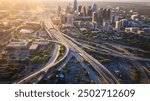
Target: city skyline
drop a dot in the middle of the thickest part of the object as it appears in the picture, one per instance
(74, 42)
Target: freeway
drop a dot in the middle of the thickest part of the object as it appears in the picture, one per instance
(55, 54)
(60, 67)
(96, 71)
(91, 73)
(117, 51)
(52, 60)
(101, 70)
(51, 63)
(104, 50)
(74, 48)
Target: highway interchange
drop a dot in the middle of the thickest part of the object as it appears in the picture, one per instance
(97, 72)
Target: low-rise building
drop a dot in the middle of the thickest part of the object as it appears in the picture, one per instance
(132, 29)
(18, 45)
(34, 47)
(32, 25)
(26, 31)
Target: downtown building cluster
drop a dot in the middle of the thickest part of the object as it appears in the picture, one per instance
(95, 18)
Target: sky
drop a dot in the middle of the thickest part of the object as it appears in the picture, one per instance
(103, 0)
(86, 0)
(106, 0)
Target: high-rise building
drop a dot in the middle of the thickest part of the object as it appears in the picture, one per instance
(89, 11)
(83, 11)
(100, 11)
(94, 7)
(100, 17)
(70, 19)
(124, 23)
(63, 19)
(106, 24)
(114, 17)
(79, 8)
(106, 14)
(67, 10)
(76, 14)
(58, 11)
(94, 17)
(118, 25)
(75, 5)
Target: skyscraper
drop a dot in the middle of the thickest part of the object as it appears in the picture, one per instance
(83, 11)
(67, 10)
(118, 25)
(63, 19)
(75, 5)
(106, 14)
(89, 11)
(100, 17)
(70, 19)
(94, 19)
(94, 7)
(79, 8)
(106, 24)
(76, 14)
(113, 16)
(58, 11)
(124, 23)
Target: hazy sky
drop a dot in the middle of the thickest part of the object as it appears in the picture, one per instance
(101, 0)
(86, 0)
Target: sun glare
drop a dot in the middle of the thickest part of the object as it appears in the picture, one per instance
(12, 5)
